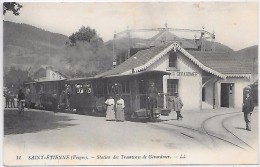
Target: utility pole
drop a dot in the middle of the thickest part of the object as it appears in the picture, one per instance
(213, 42)
(128, 43)
(202, 39)
(166, 31)
(114, 55)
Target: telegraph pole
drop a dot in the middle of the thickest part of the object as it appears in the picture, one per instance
(114, 55)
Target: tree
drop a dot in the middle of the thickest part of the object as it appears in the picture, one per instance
(12, 6)
(86, 51)
(72, 39)
(85, 34)
(14, 78)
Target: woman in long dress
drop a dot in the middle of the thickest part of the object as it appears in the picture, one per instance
(120, 105)
(110, 113)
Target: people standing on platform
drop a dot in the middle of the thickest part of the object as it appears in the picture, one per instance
(7, 98)
(248, 107)
(68, 93)
(178, 106)
(110, 109)
(12, 96)
(120, 105)
(54, 101)
(28, 97)
(21, 98)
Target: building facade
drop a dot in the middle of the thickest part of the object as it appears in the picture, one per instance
(202, 79)
(48, 74)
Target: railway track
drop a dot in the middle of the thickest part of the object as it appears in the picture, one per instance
(229, 131)
(216, 136)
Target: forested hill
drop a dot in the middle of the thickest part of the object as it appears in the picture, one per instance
(28, 47)
(15, 33)
(25, 45)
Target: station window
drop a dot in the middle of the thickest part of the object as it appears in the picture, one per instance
(172, 86)
(173, 59)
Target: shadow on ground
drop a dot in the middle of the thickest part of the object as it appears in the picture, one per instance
(33, 121)
(240, 128)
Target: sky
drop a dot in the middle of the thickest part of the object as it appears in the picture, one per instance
(234, 23)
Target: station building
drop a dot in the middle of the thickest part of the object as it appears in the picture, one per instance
(202, 79)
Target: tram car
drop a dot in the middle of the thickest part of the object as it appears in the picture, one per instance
(133, 88)
(86, 95)
(43, 94)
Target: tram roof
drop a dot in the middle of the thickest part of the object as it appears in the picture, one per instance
(140, 73)
(33, 82)
(81, 79)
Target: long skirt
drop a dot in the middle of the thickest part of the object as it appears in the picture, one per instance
(120, 114)
(110, 114)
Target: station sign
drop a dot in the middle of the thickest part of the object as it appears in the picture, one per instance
(184, 74)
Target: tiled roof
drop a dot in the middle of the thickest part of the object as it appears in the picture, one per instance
(139, 59)
(223, 62)
(219, 64)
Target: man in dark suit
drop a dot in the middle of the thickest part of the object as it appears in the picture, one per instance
(248, 107)
(152, 97)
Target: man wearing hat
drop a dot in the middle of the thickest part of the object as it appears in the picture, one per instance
(248, 107)
(178, 106)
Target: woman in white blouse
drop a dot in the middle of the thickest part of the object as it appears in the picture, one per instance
(110, 113)
(120, 105)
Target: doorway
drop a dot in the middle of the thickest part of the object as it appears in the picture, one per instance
(227, 95)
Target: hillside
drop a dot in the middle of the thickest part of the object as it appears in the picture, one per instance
(28, 47)
(25, 45)
(122, 43)
(249, 57)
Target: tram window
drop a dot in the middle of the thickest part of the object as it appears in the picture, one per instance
(79, 88)
(87, 88)
(172, 86)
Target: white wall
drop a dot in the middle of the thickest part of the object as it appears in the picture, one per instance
(52, 75)
(239, 84)
(189, 86)
(209, 94)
